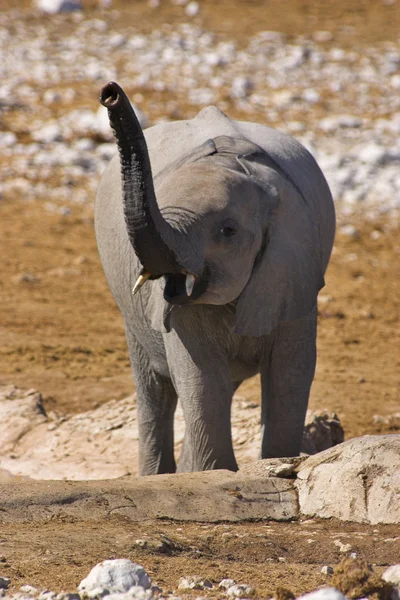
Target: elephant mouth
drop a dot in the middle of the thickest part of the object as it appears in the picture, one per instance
(175, 288)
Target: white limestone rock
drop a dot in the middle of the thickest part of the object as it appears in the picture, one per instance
(118, 575)
(358, 480)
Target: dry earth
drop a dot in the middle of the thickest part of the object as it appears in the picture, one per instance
(62, 334)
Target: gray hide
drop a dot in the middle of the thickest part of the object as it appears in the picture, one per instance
(253, 308)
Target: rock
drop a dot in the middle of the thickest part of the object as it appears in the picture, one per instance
(194, 582)
(118, 575)
(350, 231)
(331, 124)
(328, 593)
(226, 583)
(241, 87)
(58, 6)
(48, 134)
(7, 139)
(25, 278)
(20, 412)
(4, 583)
(358, 480)
(322, 430)
(29, 589)
(192, 9)
(273, 467)
(342, 547)
(392, 575)
(240, 591)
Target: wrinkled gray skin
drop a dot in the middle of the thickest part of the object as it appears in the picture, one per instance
(251, 216)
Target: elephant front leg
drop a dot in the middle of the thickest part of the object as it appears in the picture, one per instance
(286, 381)
(156, 404)
(202, 380)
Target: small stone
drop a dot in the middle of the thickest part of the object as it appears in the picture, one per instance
(322, 36)
(25, 278)
(240, 590)
(241, 87)
(192, 9)
(350, 231)
(29, 589)
(327, 570)
(226, 583)
(342, 547)
(98, 592)
(53, 7)
(194, 582)
(7, 139)
(4, 582)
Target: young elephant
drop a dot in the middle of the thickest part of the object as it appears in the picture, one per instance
(215, 255)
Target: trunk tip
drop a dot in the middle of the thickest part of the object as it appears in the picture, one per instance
(110, 94)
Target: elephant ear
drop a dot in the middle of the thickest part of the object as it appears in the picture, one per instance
(288, 272)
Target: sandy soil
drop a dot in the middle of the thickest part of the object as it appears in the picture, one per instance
(63, 335)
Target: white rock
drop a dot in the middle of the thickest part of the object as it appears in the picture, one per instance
(241, 87)
(358, 480)
(7, 139)
(327, 570)
(331, 124)
(48, 134)
(192, 9)
(226, 583)
(58, 6)
(392, 575)
(328, 593)
(350, 231)
(118, 575)
(194, 582)
(29, 589)
(240, 590)
(342, 547)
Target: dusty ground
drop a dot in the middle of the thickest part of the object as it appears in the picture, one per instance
(63, 335)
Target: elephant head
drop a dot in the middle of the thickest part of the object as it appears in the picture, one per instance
(229, 225)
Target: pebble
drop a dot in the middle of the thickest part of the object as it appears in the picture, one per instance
(350, 231)
(118, 575)
(342, 547)
(29, 589)
(327, 570)
(240, 591)
(58, 6)
(226, 583)
(4, 582)
(194, 582)
(192, 9)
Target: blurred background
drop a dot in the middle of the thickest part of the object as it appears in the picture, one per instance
(326, 72)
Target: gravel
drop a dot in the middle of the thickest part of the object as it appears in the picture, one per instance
(121, 579)
(329, 97)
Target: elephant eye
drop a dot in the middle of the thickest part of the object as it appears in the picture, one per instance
(228, 231)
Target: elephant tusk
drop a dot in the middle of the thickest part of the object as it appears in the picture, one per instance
(189, 283)
(143, 277)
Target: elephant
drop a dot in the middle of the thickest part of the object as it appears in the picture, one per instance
(214, 236)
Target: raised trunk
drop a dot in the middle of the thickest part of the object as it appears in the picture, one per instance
(146, 227)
